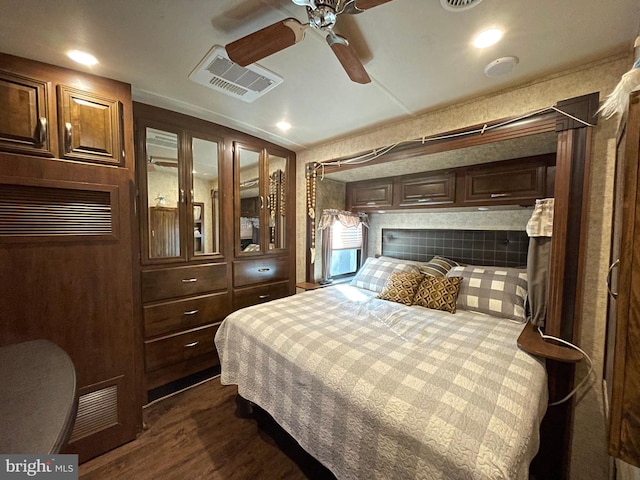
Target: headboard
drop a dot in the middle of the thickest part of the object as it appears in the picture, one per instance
(502, 248)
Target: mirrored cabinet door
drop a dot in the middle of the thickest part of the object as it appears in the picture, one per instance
(251, 199)
(163, 193)
(277, 201)
(205, 199)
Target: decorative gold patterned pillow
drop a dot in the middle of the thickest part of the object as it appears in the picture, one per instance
(401, 287)
(439, 293)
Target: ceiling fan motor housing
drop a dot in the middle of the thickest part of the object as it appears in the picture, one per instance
(324, 15)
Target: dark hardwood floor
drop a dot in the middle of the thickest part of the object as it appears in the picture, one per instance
(196, 435)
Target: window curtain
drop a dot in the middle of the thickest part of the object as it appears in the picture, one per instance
(539, 228)
(347, 219)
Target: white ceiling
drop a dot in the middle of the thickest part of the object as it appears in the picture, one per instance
(418, 55)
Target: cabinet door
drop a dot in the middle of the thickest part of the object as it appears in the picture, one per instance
(249, 190)
(25, 123)
(90, 126)
(622, 373)
(205, 196)
(165, 195)
(427, 189)
(277, 202)
(370, 194)
(522, 182)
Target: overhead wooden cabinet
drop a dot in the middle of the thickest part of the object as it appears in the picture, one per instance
(66, 238)
(519, 181)
(622, 356)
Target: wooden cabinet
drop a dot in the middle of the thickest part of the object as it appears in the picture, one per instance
(510, 182)
(370, 194)
(206, 193)
(622, 355)
(88, 122)
(25, 123)
(523, 181)
(182, 307)
(426, 189)
(67, 243)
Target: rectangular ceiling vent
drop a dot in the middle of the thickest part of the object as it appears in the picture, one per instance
(216, 71)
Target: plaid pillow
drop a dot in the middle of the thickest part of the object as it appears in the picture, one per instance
(438, 266)
(439, 293)
(375, 272)
(497, 291)
(401, 287)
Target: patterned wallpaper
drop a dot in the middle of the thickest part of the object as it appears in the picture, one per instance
(589, 457)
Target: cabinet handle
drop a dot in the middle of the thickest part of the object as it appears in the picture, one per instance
(192, 196)
(42, 131)
(262, 297)
(182, 197)
(265, 269)
(190, 345)
(68, 134)
(191, 312)
(614, 295)
(498, 195)
(189, 280)
(261, 202)
(428, 199)
(371, 203)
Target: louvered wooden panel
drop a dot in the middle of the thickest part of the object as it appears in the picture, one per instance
(97, 411)
(56, 211)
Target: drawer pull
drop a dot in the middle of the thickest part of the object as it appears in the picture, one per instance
(371, 203)
(428, 199)
(189, 280)
(191, 312)
(498, 195)
(265, 269)
(191, 345)
(262, 297)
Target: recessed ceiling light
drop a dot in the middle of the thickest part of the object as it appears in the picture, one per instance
(487, 38)
(284, 126)
(82, 57)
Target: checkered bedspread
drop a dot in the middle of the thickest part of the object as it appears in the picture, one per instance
(375, 389)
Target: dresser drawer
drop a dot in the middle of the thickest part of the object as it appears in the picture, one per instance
(167, 317)
(173, 282)
(179, 347)
(248, 272)
(244, 297)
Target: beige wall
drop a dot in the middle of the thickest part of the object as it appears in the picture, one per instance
(589, 458)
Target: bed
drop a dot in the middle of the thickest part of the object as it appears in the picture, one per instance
(374, 388)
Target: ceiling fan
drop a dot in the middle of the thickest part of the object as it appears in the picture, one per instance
(322, 16)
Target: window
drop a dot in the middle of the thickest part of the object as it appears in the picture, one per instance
(346, 249)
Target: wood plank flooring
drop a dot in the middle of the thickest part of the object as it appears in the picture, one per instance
(197, 435)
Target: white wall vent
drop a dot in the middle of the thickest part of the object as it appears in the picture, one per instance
(216, 71)
(459, 5)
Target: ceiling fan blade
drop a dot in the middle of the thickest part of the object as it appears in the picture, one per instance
(265, 42)
(348, 58)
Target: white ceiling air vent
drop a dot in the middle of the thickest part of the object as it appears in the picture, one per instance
(459, 5)
(216, 71)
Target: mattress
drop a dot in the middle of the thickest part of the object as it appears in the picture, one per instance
(376, 389)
